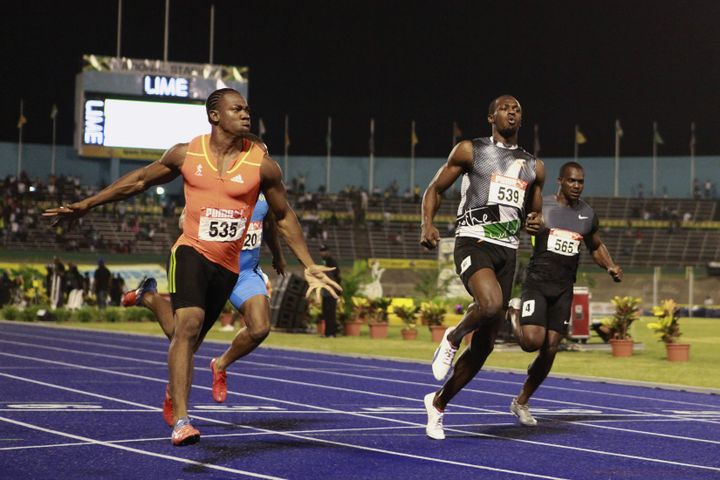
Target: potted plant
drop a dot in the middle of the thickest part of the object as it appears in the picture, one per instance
(627, 310)
(667, 329)
(315, 315)
(358, 314)
(378, 317)
(350, 315)
(408, 315)
(432, 314)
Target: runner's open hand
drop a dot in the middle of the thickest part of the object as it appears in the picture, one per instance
(68, 213)
(279, 265)
(615, 272)
(318, 281)
(534, 223)
(429, 237)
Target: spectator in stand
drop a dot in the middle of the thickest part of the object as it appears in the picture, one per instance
(75, 286)
(102, 284)
(5, 288)
(56, 283)
(117, 288)
(696, 189)
(708, 188)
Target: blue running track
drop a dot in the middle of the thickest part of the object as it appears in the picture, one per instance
(82, 404)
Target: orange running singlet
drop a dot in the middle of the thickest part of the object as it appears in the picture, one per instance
(218, 208)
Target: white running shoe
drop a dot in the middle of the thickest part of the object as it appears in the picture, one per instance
(522, 412)
(434, 428)
(227, 328)
(443, 358)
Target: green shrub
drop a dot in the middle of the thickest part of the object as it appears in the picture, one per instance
(29, 314)
(138, 314)
(112, 314)
(62, 314)
(10, 312)
(84, 314)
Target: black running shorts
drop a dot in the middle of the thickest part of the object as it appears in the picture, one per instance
(547, 305)
(195, 281)
(472, 254)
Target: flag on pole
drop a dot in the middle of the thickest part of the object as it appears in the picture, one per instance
(693, 140)
(328, 136)
(618, 129)
(536, 141)
(372, 137)
(457, 133)
(287, 132)
(53, 112)
(579, 136)
(413, 136)
(261, 128)
(657, 139)
(22, 120)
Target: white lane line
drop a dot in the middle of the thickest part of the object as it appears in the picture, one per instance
(374, 378)
(280, 352)
(135, 450)
(382, 395)
(329, 431)
(291, 435)
(464, 432)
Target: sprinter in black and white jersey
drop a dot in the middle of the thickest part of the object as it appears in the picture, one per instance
(501, 183)
(541, 317)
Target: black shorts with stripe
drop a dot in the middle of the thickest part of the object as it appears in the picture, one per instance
(195, 281)
(472, 254)
(546, 304)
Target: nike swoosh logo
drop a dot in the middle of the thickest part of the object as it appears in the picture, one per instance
(582, 218)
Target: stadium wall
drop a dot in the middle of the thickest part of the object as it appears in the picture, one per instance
(673, 172)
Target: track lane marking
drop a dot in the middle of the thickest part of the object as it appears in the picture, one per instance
(530, 442)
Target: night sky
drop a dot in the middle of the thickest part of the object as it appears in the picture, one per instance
(568, 62)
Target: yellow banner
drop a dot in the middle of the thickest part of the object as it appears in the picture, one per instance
(401, 263)
(132, 273)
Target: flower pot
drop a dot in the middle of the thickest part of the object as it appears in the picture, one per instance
(378, 330)
(351, 328)
(409, 333)
(437, 332)
(621, 348)
(678, 352)
(321, 327)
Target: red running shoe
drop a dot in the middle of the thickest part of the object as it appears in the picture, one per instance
(168, 408)
(133, 298)
(185, 434)
(219, 383)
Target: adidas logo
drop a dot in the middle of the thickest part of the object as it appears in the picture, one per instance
(237, 179)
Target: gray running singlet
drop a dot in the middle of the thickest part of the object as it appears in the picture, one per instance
(494, 192)
(556, 250)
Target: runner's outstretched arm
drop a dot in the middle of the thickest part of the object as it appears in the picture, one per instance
(289, 227)
(162, 171)
(601, 256)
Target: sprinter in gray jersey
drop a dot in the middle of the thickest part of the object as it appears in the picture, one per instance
(541, 317)
(501, 183)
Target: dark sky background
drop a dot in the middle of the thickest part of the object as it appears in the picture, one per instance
(567, 62)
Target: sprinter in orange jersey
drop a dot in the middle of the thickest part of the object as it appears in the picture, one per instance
(223, 173)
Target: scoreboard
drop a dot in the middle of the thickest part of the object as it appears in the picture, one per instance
(135, 108)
